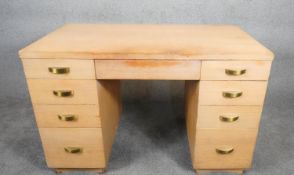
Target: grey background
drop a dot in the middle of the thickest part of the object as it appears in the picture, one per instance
(151, 138)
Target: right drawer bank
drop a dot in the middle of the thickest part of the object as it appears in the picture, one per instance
(230, 101)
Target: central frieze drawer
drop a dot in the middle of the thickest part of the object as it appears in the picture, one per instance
(45, 91)
(232, 92)
(73, 147)
(148, 69)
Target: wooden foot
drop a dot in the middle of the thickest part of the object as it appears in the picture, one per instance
(200, 172)
(62, 170)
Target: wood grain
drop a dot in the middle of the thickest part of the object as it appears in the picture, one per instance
(191, 109)
(110, 109)
(89, 139)
(207, 140)
(148, 69)
(249, 117)
(87, 116)
(79, 69)
(211, 92)
(41, 91)
(104, 41)
(255, 70)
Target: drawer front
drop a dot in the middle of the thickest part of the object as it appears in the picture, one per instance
(59, 69)
(148, 69)
(232, 92)
(235, 70)
(73, 147)
(67, 116)
(233, 117)
(224, 149)
(63, 91)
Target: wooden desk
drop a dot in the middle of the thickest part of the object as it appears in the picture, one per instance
(73, 77)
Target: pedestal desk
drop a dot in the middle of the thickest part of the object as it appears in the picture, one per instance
(73, 75)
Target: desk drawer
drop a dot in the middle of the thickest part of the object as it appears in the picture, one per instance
(232, 92)
(148, 69)
(59, 69)
(67, 116)
(224, 117)
(44, 91)
(84, 147)
(224, 149)
(235, 70)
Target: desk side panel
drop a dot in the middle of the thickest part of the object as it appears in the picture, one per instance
(110, 110)
(191, 108)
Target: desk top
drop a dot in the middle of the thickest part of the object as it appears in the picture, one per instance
(182, 42)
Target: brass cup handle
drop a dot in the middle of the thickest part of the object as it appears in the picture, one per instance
(224, 150)
(232, 94)
(63, 93)
(59, 70)
(67, 117)
(228, 119)
(233, 72)
(73, 150)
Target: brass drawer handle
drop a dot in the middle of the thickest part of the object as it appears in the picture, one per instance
(224, 150)
(67, 117)
(235, 72)
(63, 93)
(225, 118)
(232, 94)
(59, 70)
(73, 150)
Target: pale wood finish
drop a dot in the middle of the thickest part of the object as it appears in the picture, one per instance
(205, 42)
(207, 140)
(191, 107)
(79, 69)
(255, 70)
(211, 92)
(157, 52)
(203, 172)
(148, 69)
(110, 109)
(90, 139)
(41, 91)
(87, 116)
(249, 117)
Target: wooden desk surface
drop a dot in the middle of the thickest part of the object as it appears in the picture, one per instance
(197, 42)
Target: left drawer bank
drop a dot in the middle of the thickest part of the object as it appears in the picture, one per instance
(66, 101)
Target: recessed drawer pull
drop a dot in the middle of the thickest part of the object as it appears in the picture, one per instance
(225, 118)
(232, 94)
(67, 117)
(63, 93)
(59, 70)
(73, 150)
(235, 72)
(224, 150)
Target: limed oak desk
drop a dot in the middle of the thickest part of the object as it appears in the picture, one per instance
(73, 78)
